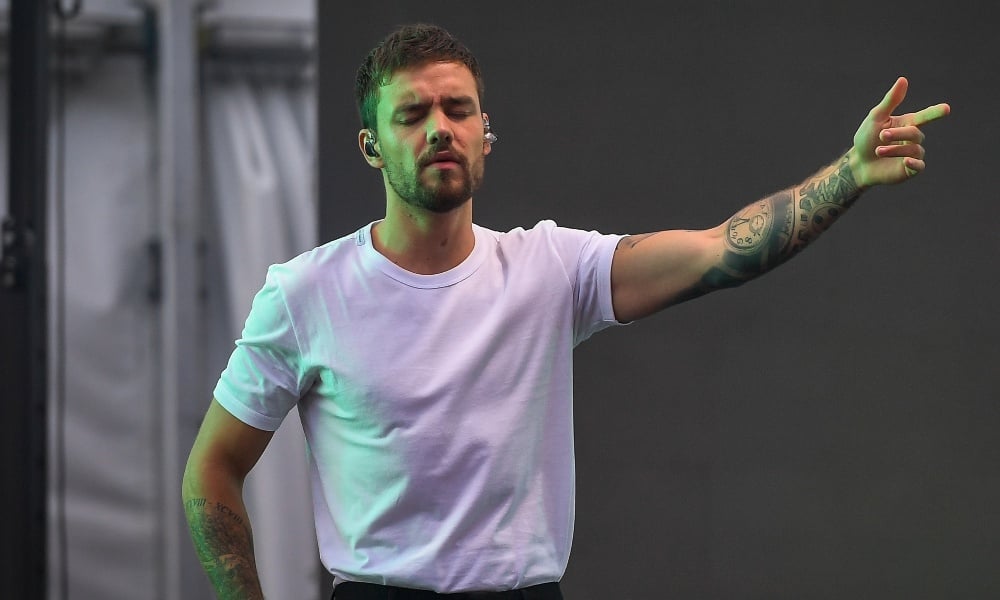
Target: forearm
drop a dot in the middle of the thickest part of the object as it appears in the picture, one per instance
(223, 539)
(768, 232)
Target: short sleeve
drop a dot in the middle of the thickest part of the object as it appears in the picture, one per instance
(262, 381)
(587, 257)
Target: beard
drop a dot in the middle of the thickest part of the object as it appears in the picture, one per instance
(448, 189)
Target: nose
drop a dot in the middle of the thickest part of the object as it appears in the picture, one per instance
(439, 132)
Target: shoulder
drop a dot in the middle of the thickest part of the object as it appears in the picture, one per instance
(550, 244)
(562, 240)
(312, 266)
(546, 231)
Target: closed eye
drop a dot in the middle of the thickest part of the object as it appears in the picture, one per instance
(457, 109)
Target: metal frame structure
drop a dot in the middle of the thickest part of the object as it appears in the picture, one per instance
(183, 41)
(180, 234)
(24, 307)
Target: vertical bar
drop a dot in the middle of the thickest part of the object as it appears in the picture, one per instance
(23, 308)
(179, 226)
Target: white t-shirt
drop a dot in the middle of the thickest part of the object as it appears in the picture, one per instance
(437, 409)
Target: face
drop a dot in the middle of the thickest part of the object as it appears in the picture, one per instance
(430, 136)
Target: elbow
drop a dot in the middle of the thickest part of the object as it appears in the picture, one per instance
(198, 474)
(720, 278)
(190, 482)
(206, 477)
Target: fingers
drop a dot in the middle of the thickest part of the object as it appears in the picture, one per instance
(893, 98)
(913, 166)
(931, 113)
(908, 133)
(891, 147)
(901, 142)
(900, 150)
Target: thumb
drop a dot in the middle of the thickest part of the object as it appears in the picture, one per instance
(893, 98)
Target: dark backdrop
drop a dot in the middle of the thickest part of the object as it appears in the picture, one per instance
(828, 431)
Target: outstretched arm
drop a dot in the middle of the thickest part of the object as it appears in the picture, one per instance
(655, 270)
(223, 453)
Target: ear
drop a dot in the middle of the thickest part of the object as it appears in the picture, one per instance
(487, 147)
(363, 138)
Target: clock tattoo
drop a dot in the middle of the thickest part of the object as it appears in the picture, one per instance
(749, 230)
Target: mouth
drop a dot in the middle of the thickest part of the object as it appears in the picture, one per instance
(444, 160)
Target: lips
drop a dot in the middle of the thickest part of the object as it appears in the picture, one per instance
(443, 158)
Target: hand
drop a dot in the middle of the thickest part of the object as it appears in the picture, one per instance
(887, 148)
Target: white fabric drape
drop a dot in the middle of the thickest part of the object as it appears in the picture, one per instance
(113, 497)
(260, 161)
(259, 164)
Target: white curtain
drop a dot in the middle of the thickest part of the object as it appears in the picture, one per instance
(259, 164)
(110, 449)
(259, 160)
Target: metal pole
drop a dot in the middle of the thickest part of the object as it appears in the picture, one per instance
(23, 307)
(180, 234)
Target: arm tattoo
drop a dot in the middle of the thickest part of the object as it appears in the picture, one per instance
(224, 544)
(772, 230)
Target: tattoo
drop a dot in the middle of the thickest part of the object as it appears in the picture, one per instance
(224, 543)
(823, 201)
(770, 231)
(194, 503)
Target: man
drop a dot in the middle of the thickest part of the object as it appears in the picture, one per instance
(430, 358)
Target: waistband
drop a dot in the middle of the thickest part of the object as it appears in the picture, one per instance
(353, 590)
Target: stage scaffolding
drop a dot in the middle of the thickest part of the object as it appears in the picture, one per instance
(180, 42)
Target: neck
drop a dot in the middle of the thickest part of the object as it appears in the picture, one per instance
(424, 242)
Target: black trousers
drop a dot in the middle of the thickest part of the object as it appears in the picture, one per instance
(350, 590)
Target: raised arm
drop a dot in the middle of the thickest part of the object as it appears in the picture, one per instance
(655, 270)
(223, 453)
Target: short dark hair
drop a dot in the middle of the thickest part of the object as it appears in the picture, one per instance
(408, 46)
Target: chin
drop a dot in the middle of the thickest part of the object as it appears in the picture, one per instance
(445, 205)
(446, 196)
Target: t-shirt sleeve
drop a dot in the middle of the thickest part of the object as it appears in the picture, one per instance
(262, 381)
(587, 256)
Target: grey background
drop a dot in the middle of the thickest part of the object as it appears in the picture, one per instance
(827, 431)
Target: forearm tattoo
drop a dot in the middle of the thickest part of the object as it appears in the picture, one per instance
(770, 231)
(224, 543)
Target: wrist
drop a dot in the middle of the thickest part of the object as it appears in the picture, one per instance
(857, 168)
